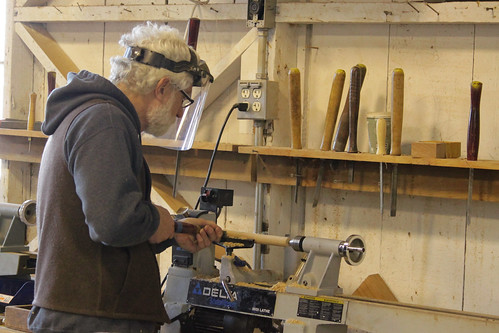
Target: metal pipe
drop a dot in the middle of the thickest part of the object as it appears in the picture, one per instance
(262, 73)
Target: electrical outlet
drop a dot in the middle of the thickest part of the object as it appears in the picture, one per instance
(261, 96)
(256, 106)
(257, 93)
(245, 93)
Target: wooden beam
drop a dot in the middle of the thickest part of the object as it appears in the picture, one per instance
(387, 12)
(30, 3)
(132, 13)
(165, 189)
(227, 165)
(46, 49)
(228, 69)
(417, 12)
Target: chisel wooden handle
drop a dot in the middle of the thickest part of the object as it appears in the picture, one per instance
(474, 122)
(31, 112)
(186, 228)
(332, 109)
(341, 136)
(193, 32)
(50, 82)
(381, 136)
(353, 109)
(295, 107)
(397, 110)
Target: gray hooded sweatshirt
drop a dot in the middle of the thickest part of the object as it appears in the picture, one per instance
(94, 213)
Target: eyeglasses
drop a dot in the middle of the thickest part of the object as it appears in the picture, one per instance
(187, 100)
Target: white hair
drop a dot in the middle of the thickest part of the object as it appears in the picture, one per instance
(142, 78)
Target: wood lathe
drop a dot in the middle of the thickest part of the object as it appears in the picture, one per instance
(202, 295)
(16, 262)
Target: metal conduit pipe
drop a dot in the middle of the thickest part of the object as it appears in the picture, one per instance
(262, 73)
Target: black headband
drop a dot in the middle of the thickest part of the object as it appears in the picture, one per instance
(158, 60)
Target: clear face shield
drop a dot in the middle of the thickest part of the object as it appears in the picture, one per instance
(180, 134)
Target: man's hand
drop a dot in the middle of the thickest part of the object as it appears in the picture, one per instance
(210, 232)
(166, 227)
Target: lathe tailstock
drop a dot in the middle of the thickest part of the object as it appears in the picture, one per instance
(241, 300)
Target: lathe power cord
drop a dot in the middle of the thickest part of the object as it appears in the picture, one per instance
(240, 107)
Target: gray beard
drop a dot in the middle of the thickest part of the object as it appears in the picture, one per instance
(160, 119)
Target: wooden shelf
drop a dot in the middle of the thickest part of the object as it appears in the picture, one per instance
(24, 133)
(15, 146)
(441, 178)
(367, 157)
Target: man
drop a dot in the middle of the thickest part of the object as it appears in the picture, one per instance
(97, 228)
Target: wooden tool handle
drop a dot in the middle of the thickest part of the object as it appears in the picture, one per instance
(381, 136)
(295, 107)
(397, 110)
(50, 82)
(332, 108)
(193, 32)
(186, 228)
(31, 112)
(341, 136)
(474, 122)
(258, 238)
(353, 109)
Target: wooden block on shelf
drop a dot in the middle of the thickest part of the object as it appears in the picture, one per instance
(428, 149)
(452, 149)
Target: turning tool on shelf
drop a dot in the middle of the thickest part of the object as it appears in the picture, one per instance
(295, 113)
(397, 111)
(50, 82)
(353, 108)
(473, 140)
(31, 117)
(331, 115)
(474, 122)
(381, 142)
(396, 130)
(295, 107)
(342, 132)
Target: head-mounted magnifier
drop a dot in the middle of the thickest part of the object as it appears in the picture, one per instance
(198, 69)
(180, 134)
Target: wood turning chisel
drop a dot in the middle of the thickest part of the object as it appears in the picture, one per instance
(30, 124)
(381, 150)
(396, 130)
(473, 140)
(353, 108)
(50, 82)
(192, 34)
(295, 113)
(341, 135)
(331, 115)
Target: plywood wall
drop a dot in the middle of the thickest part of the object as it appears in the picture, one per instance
(426, 254)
